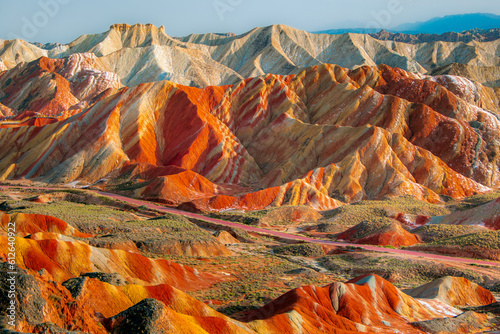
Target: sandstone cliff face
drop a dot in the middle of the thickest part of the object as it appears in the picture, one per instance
(323, 137)
(365, 304)
(64, 285)
(382, 234)
(2, 66)
(96, 304)
(145, 53)
(455, 291)
(47, 90)
(27, 224)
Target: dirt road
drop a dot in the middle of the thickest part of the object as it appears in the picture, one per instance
(276, 233)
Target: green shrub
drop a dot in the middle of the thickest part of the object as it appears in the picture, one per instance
(485, 239)
(307, 250)
(435, 232)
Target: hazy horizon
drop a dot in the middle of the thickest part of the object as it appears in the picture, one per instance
(65, 20)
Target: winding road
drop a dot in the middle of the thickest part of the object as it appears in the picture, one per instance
(274, 233)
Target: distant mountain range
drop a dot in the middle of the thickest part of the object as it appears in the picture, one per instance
(451, 23)
(438, 25)
(145, 53)
(465, 37)
(342, 31)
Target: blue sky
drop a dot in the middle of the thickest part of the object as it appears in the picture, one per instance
(64, 20)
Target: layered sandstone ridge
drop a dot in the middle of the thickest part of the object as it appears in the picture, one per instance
(323, 137)
(65, 285)
(145, 53)
(47, 90)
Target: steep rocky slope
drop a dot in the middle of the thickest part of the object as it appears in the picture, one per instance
(100, 304)
(145, 53)
(27, 224)
(47, 90)
(489, 76)
(64, 285)
(323, 137)
(384, 233)
(365, 304)
(487, 215)
(58, 256)
(454, 291)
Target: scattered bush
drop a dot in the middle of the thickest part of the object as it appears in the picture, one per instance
(307, 250)
(435, 232)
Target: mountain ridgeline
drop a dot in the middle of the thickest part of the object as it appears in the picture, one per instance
(276, 116)
(466, 27)
(145, 53)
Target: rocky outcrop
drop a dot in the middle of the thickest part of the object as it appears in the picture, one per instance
(454, 291)
(226, 238)
(468, 322)
(365, 304)
(385, 234)
(152, 316)
(26, 224)
(101, 303)
(486, 215)
(145, 53)
(41, 303)
(324, 137)
(58, 257)
(47, 90)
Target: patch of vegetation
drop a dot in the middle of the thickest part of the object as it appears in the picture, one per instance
(67, 191)
(247, 218)
(257, 280)
(330, 228)
(306, 250)
(169, 234)
(170, 219)
(400, 271)
(172, 227)
(79, 215)
(129, 186)
(88, 197)
(485, 239)
(252, 217)
(435, 232)
(473, 201)
(238, 233)
(291, 215)
(354, 214)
